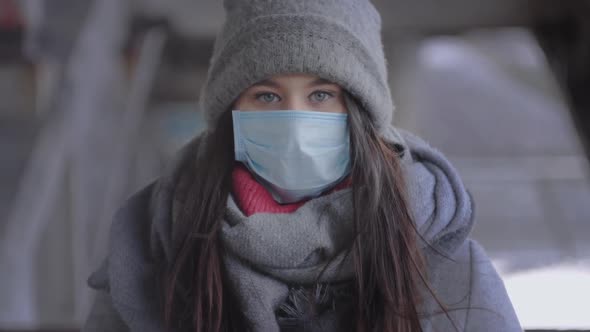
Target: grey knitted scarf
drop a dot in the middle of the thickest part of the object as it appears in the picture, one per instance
(267, 253)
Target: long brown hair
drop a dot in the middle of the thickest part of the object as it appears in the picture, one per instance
(389, 268)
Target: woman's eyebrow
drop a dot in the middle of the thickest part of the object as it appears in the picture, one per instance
(267, 83)
(321, 81)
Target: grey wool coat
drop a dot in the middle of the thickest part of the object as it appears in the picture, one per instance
(463, 277)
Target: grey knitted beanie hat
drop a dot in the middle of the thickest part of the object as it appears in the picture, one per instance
(338, 40)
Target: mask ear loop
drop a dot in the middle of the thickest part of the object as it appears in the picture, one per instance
(239, 152)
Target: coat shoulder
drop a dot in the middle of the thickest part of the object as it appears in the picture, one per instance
(472, 290)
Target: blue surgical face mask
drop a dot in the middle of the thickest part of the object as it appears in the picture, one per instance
(294, 154)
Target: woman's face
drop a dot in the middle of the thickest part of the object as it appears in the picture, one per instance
(292, 92)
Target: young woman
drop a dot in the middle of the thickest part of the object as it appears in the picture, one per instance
(300, 208)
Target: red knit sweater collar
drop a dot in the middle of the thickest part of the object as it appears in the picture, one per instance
(252, 197)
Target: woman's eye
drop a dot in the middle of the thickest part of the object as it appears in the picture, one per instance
(267, 97)
(320, 96)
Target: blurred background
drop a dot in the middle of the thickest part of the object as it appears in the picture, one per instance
(97, 95)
